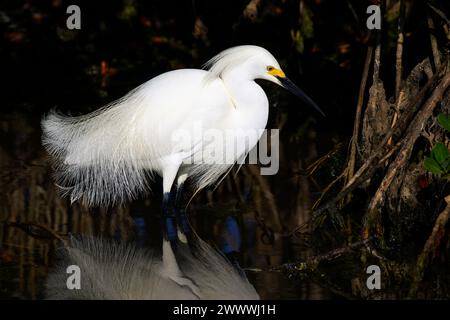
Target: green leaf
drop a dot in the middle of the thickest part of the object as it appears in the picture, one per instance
(444, 121)
(440, 153)
(431, 165)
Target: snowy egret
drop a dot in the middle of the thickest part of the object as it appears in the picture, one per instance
(105, 157)
(113, 270)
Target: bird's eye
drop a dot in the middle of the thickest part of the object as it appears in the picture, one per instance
(270, 68)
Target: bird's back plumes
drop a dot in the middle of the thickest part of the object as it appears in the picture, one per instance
(112, 270)
(100, 156)
(104, 158)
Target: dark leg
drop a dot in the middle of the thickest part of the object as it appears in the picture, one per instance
(231, 242)
(180, 209)
(185, 233)
(168, 220)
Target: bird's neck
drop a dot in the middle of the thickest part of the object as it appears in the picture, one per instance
(245, 93)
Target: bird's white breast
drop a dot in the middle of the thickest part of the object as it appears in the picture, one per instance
(182, 109)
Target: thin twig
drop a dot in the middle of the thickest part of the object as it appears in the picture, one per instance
(368, 167)
(409, 140)
(442, 15)
(327, 188)
(356, 127)
(312, 262)
(434, 45)
(429, 247)
(31, 229)
(399, 52)
(439, 13)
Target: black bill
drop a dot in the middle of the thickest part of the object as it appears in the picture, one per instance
(289, 85)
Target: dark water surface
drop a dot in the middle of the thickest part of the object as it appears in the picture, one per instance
(264, 208)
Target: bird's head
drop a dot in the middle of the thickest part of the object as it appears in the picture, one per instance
(255, 63)
(269, 69)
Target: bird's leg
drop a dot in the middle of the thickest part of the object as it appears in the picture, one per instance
(184, 230)
(168, 219)
(231, 242)
(183, 222)
(169, 226)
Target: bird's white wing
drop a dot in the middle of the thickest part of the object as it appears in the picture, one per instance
(104, 157)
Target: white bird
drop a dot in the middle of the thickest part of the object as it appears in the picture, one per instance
(105, 157)
(118, 271)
